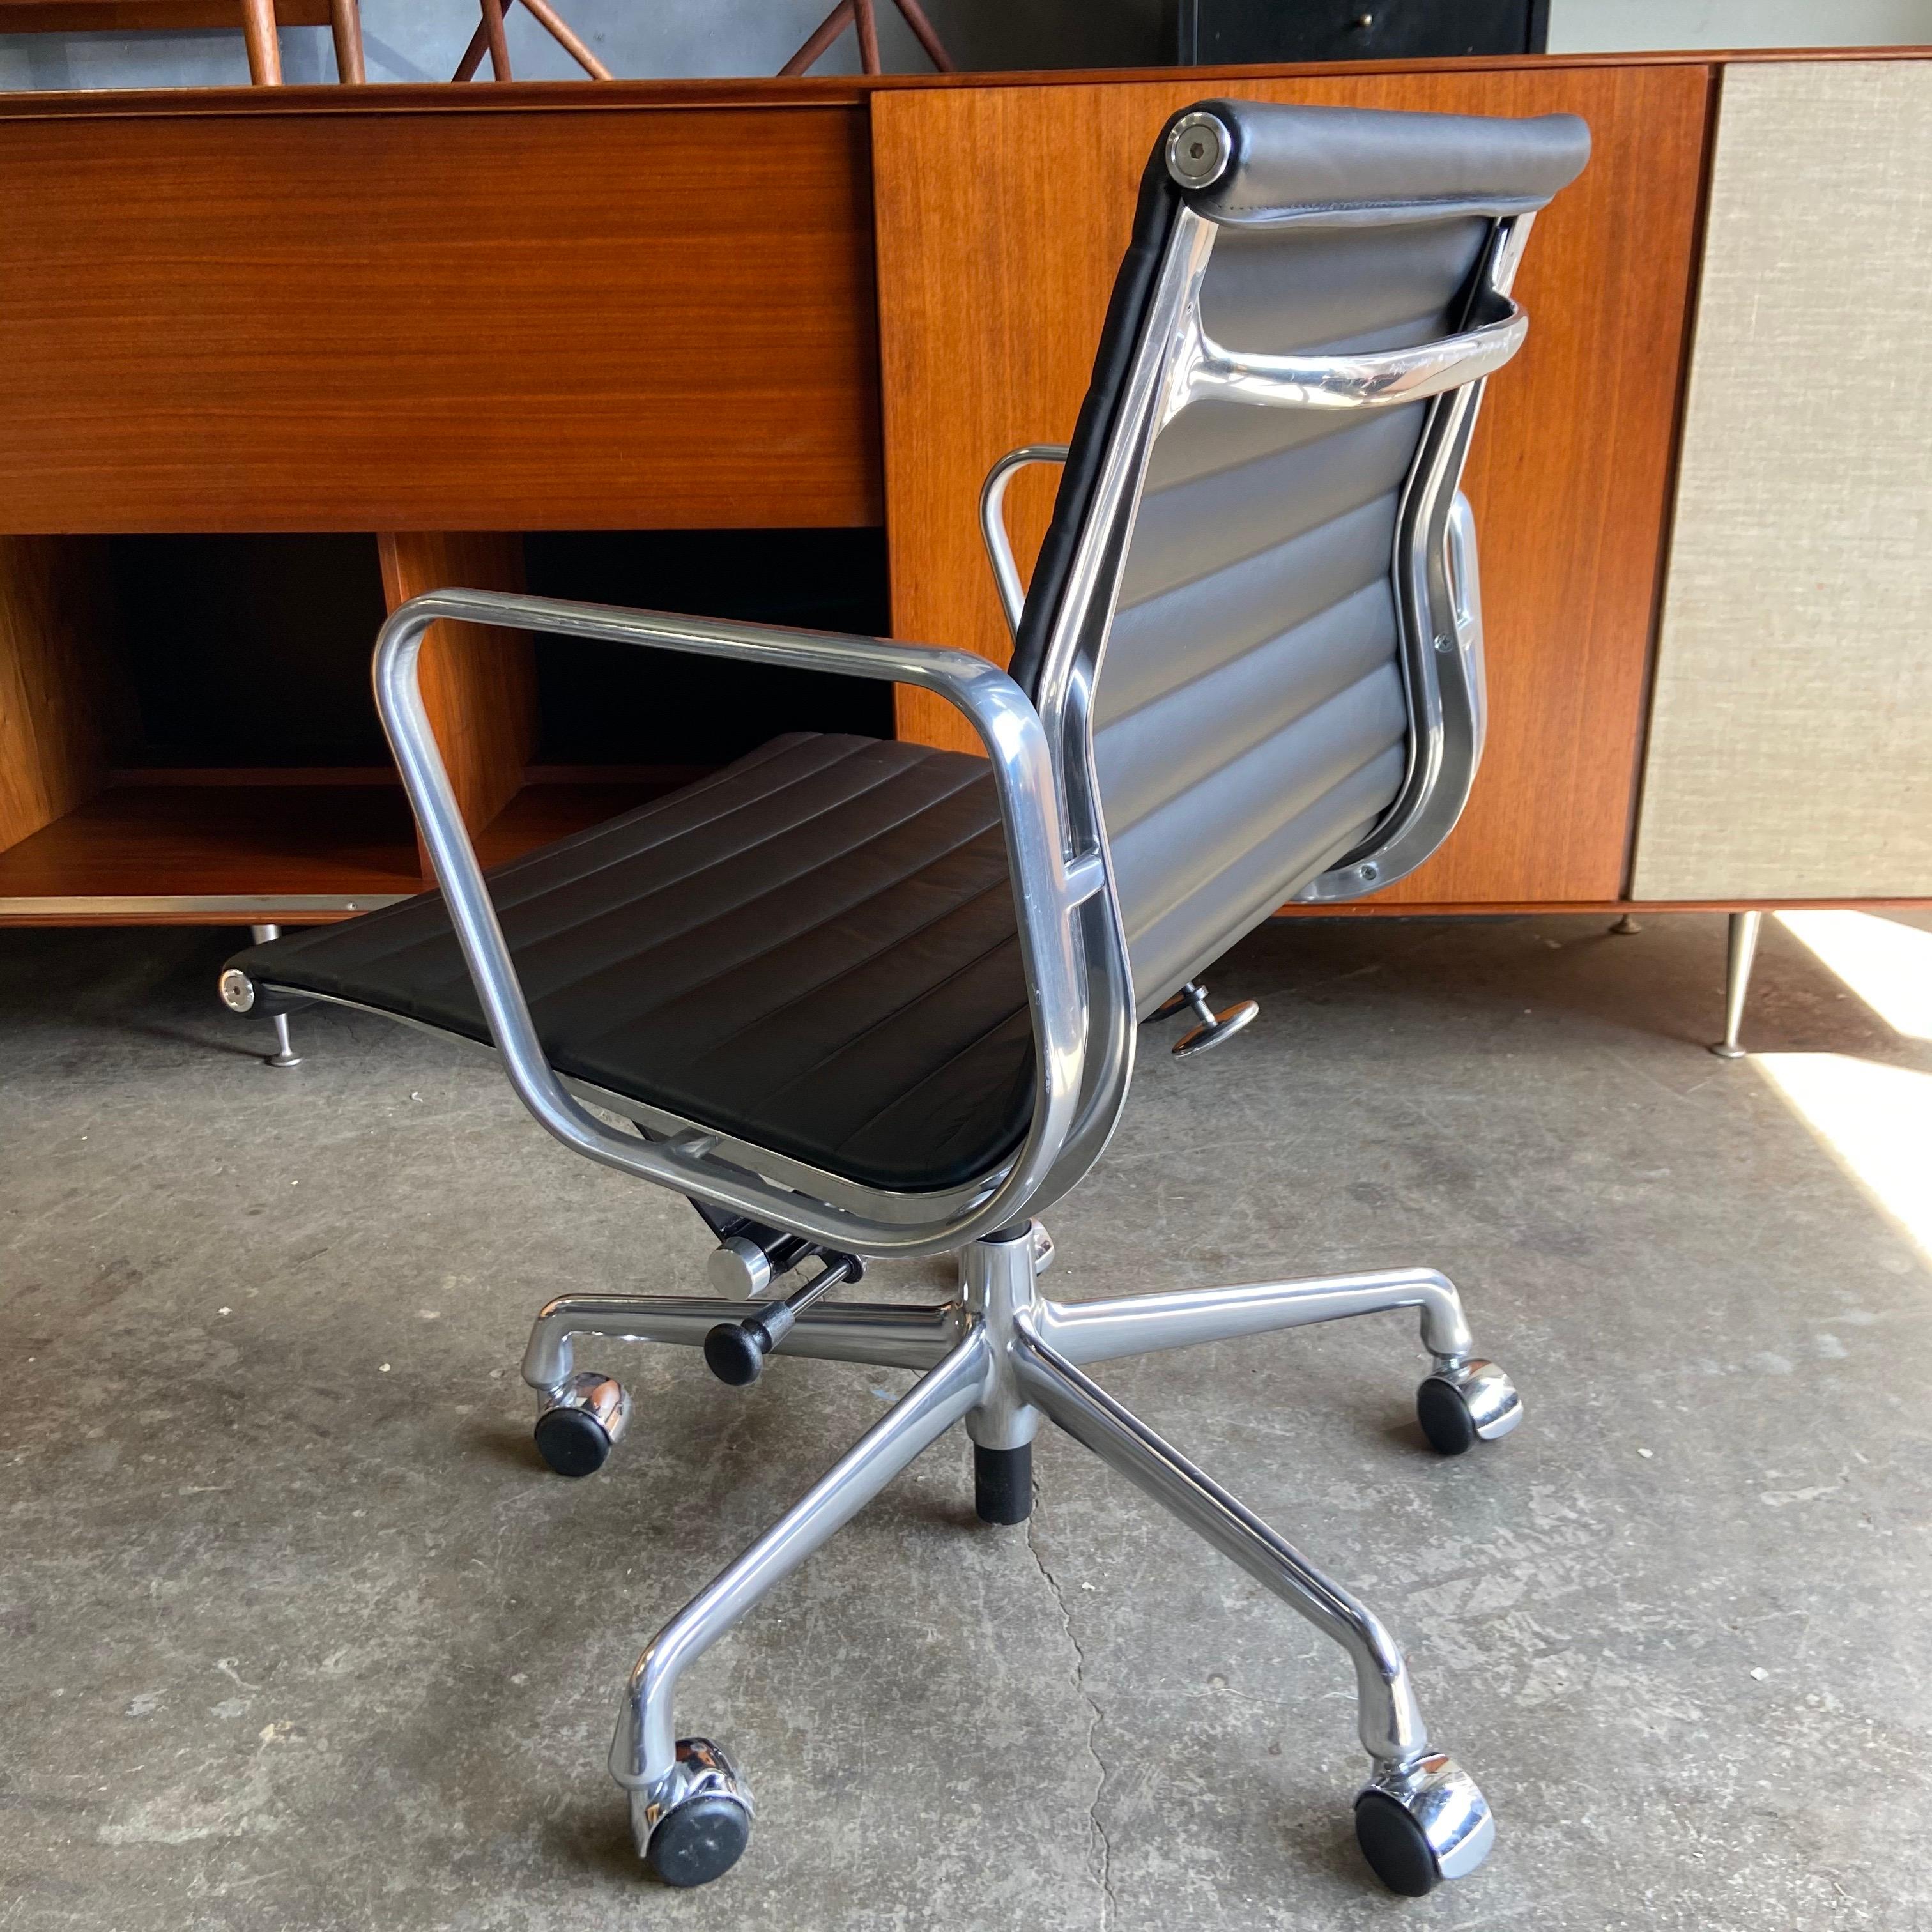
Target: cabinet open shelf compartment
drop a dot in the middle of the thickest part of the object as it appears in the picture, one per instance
(597, 729)
(195, 736)
(188, 733)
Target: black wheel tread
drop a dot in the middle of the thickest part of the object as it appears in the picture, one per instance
(1392, 1843)
(572, 1442)
(699, 1840)
(1445, 1418)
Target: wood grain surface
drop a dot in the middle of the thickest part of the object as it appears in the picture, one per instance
(479, 683)
(268, 840)
(320, 320)
(59, 697)
(1001, 215)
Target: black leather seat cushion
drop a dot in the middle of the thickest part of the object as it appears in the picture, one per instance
(813, 948)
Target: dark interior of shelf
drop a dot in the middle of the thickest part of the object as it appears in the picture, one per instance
(611, 704)
(250, 650)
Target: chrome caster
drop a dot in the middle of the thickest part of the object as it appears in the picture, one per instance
(696, 1827)
(1464, 1403)
(577, 1428)
(1421, 1823)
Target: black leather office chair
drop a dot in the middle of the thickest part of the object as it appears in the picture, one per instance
(866, 999)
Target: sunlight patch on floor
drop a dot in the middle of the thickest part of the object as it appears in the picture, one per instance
(1875, 1121)
(1888, 965)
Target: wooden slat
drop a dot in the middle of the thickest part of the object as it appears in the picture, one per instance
(57, 699)
(479, 683)
(1001, 215)
(265, 52)
(124, 16)
(315, 320)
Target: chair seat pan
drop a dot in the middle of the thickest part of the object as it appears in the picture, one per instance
(814, 949)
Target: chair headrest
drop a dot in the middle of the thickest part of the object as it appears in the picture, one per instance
(1279, 167)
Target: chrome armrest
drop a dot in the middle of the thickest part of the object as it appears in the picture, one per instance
(1050, 882)
(993, 525)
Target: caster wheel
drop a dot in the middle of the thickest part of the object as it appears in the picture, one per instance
(702, 1833)
(576, 1430)
(1471, 1403)
(1395, 1846)
(1418, 1826)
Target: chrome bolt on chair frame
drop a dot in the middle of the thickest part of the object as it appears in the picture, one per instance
(862, 1000)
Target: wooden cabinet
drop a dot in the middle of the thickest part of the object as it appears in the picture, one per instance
(469, 334)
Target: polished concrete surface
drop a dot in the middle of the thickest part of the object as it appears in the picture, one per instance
(295, 1631)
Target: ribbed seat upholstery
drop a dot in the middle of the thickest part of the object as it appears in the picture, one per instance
(814, 948)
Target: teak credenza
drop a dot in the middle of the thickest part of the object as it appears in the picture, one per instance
(271, 363)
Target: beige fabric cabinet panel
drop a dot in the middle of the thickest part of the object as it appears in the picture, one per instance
(1790, 750)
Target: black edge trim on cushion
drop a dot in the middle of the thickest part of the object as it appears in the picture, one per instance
(1119, 336)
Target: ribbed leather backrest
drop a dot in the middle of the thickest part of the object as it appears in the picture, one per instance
(1251, 716)
(1252, 720)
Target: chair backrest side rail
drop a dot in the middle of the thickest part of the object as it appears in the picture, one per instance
(1439, 614)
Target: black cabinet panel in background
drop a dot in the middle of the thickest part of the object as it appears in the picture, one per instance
(1216, 33)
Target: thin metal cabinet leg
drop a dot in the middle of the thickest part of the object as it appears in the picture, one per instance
(1743, 952)
(643, 1753)
(285, 1053)
(1388, 1720)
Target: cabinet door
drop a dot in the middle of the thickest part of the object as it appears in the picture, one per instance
(1790, 752)
(1002, 213)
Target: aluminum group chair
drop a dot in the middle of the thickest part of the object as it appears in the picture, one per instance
(869, 1000)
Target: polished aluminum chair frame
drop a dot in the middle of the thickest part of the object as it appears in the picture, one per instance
(1001, 1355)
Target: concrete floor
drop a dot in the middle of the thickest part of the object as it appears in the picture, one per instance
(296, 1632)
